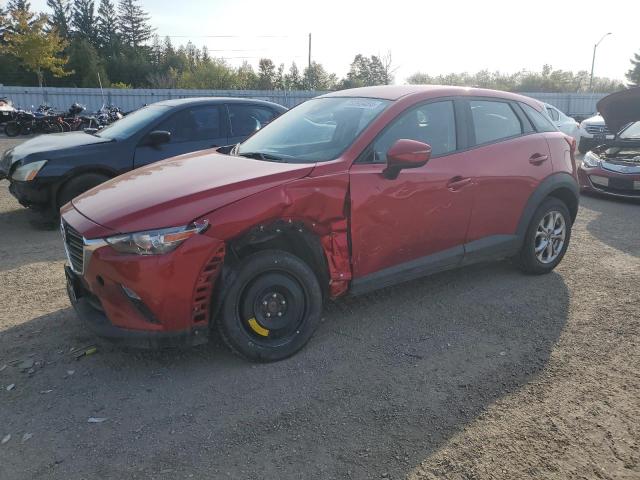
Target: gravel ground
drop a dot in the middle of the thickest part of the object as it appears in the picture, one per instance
(477, 373)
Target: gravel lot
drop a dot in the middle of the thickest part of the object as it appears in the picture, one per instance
(477, 373)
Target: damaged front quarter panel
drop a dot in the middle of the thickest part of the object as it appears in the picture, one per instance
(317, 205)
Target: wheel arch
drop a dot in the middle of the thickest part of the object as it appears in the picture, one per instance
(289, 236)
(75, 173)
(559, 185)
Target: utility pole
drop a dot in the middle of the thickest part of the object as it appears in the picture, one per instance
(309, 52)
(593, 60)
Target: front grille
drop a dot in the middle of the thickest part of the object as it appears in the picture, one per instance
(74, 245)
(598, 130)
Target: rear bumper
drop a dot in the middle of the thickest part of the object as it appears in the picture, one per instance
(89, 310)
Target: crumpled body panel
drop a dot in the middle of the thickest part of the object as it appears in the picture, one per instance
(319, 203)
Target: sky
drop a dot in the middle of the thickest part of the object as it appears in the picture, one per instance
(429, 36)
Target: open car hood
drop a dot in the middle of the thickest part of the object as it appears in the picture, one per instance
(620, 108)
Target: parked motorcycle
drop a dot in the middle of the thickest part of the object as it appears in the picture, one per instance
(7, 111)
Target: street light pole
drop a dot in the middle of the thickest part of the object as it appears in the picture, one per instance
(593, 60)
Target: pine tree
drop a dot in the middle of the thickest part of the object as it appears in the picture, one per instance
(4, 23)
(15, 5)
(60, 18)
(83, 21)
(107, 30)
(134, 26)
(633, 75)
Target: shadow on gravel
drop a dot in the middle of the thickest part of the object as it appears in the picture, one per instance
(611, 226)
(387, 379)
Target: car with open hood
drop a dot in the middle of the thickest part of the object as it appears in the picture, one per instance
(613, 167)
(46, 172)
(346, 193)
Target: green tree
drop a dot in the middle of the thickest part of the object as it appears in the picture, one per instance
(83, 21)
(315, 77)
(266, 74)
(86, 64)
(245, 78)
(107, 28)
(293, 80)
(60, 18)
(37, 49)
(215, 74)
(134, 23)
(633, 75)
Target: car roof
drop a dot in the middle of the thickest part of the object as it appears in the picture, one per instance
(396, 92)
(176, 102)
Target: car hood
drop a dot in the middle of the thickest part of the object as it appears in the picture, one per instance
(620, 108)
(55, 142)
(176, 191)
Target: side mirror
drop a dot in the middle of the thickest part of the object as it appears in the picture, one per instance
(406, 153)
(158, 137)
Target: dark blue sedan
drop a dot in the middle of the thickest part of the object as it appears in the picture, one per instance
(48, 171)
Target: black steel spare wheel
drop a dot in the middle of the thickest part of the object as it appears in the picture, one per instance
(272, 306)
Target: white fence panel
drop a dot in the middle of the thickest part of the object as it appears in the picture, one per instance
(131, 99)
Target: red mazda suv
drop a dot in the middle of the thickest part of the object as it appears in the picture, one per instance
(349, 192)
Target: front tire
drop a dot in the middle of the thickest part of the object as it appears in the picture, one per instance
(77, 186)
(546, 239)
(272, 306)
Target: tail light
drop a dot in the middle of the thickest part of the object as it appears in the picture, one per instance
(572, 150)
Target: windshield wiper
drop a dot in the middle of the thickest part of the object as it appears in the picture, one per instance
(262, 156)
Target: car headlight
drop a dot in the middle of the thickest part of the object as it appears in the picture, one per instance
(28, 172)
(591, 160)
(155, 242)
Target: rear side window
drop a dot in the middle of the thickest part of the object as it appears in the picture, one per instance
(246, 119)
(553, 113)
(432, 123)
(539, 121)
(494, 120)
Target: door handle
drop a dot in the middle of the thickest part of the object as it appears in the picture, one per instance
(458, 182)
(538, 159)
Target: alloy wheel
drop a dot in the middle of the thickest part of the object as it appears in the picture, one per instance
(550, 237)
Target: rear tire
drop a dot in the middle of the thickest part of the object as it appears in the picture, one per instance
(546, 239)
(272, 306)
(78, 185)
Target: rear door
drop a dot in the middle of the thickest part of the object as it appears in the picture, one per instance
(246, 119)
(192, 128)
(510, 160)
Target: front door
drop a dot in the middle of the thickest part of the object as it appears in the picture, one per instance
(416, 223)
(192, 129)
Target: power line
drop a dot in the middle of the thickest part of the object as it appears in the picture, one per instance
(226, 36)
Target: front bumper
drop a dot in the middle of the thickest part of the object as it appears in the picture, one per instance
(616, 184)
(34, 194)
(147, 301)
(88, 309)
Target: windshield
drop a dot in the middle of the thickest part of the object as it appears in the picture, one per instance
(631, 132)
(132, 123)
(316, 131)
